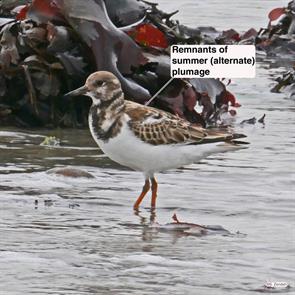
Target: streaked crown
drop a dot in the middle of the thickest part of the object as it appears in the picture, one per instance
(102, 85)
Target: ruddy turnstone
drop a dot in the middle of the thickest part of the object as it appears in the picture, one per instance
(144, 138)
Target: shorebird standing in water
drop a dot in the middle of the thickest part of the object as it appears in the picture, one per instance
(144, 138)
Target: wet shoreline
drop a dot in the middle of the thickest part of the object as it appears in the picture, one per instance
(84, 238)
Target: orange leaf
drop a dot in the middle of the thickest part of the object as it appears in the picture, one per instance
(46, 7)
(276, 13)
(230, 98)
(149, 35)
(23, 13)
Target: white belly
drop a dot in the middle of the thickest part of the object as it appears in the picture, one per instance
(130, 151)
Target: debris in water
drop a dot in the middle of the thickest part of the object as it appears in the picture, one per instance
(48, 203)
(50, 141)
(261, 120)
(189, 229)
(251, 121)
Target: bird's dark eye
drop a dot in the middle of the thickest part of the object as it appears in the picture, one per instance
(98, 83)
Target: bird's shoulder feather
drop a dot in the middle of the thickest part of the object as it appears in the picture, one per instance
(158, 127)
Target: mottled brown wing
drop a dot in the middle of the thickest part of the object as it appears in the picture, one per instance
(158, 127)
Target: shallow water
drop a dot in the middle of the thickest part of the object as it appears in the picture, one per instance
(83, 237)
(223, 14)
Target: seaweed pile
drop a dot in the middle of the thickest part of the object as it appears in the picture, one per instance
(49, 47)
(286, 84)
(277, 40)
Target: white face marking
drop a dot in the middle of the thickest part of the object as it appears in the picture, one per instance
(95, 100)
(101, 93)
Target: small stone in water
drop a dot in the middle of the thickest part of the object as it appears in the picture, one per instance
(73, 206)
(48, 203)
(70, 172)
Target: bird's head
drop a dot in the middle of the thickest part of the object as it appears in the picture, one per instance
(100, 86)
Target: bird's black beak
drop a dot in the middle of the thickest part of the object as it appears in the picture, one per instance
(79, 91)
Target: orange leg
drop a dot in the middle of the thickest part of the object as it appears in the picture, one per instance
(145, 189)
(154, 192)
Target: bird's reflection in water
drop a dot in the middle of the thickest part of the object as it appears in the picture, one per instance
(145, 220)
(148, 233)
(151, 229)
